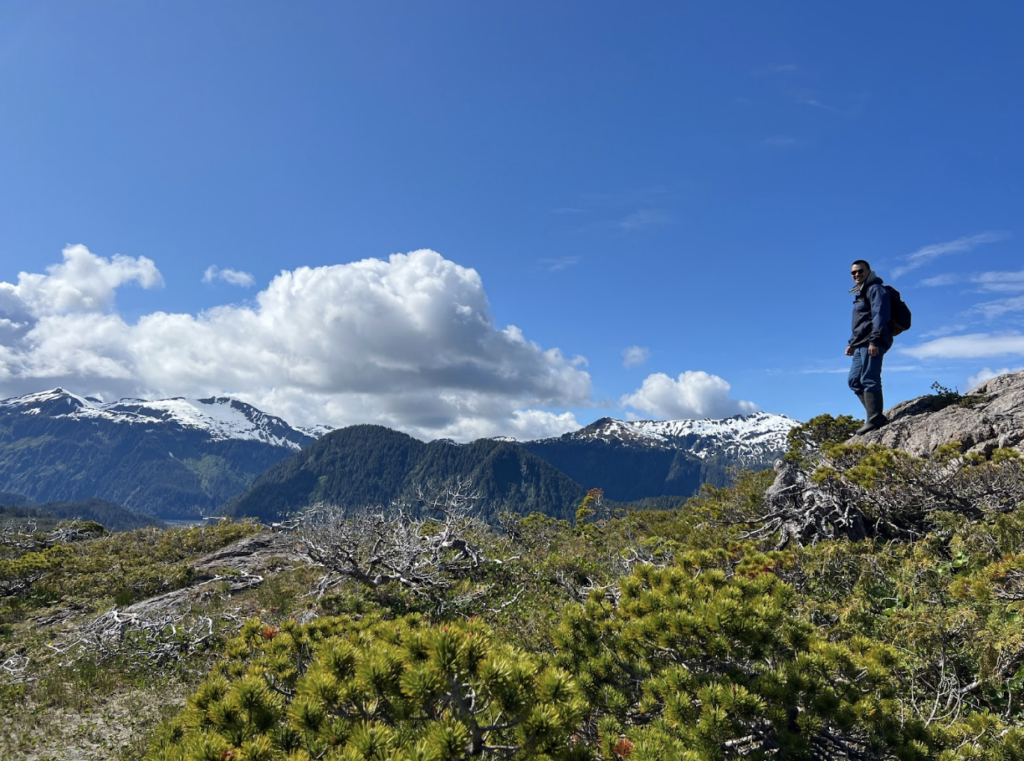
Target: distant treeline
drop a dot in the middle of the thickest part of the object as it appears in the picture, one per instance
(20, 511)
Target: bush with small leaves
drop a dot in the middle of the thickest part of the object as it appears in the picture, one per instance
(372, 689)
(19, 574)
(899, 492)
(817, 434)
(942, 397)
(709, 660)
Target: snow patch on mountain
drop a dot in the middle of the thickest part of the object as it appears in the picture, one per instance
(745, 437)
(222, 418)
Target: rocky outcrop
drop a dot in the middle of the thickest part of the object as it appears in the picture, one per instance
(800, 509)
(240, 566)
(987, 418)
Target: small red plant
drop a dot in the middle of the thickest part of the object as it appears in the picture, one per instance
(623, 748)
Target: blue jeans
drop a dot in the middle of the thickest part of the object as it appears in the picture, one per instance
(866, 371)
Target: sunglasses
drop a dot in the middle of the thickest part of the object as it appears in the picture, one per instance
(858, 272)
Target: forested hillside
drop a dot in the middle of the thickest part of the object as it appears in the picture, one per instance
(370, 466)
(627, 473)
(112, 517)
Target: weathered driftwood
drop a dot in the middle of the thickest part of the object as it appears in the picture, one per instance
(164, 629)
(897, 501)
(153, 641)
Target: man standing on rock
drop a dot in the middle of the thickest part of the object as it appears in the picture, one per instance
(870, 340)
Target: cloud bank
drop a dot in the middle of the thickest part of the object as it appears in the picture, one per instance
(694, 394)
(407, 342)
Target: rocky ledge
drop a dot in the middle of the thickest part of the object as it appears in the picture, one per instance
(986, 418)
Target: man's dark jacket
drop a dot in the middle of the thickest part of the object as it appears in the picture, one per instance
(871, 315)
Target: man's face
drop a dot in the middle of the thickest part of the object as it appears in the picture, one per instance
(859, 272)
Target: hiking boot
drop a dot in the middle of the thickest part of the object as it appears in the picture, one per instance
(860, 398)
(873, 405)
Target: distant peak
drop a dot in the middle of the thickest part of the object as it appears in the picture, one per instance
(47, 399)
(751, 434)
(220, 418)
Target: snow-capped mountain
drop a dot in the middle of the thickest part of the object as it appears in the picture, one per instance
(744, 438)
(176, 458)
(171, 458)
(633, 460)
(221, 418)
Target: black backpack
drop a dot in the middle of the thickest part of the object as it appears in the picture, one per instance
(899, 312)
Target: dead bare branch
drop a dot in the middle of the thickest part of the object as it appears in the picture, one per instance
(146, 640)
(425, 551)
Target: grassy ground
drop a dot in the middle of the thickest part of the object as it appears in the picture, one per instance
(67, 718)
(69, 692)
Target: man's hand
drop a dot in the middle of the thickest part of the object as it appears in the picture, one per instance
(872, 350)
(849, 351)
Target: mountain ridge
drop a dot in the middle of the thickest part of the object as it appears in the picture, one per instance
(367, 466)
(172, 458)
(222, 417)
(632, 460)
(183, 458)
(753, 433)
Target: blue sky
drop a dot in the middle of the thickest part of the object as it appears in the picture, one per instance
(466, 219)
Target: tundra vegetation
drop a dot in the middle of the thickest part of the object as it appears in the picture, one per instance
(855, 603)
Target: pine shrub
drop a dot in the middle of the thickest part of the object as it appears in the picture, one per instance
(374, 689)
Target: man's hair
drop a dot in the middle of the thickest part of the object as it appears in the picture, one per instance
(861, 261)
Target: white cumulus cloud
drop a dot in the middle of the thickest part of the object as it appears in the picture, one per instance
(84, 282)
(694, 394)
(234, 277)
(407, 342)
(633, 356)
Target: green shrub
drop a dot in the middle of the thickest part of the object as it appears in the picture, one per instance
(942, 397)
(817, 434)
(708, 660)
(374, 689)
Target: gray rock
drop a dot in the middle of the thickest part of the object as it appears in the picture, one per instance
(801, 510)
(242, 564)
(991, 417)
